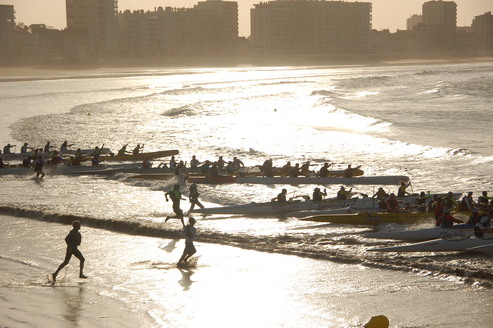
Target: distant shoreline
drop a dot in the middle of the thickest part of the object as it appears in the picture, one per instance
(38, 72)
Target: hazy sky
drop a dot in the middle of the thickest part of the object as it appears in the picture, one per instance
(390, 14)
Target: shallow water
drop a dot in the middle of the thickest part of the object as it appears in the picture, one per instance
(228, 285)
(427, 122)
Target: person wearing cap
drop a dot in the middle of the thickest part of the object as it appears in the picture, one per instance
(447, 220)
(467, 203)
(190, 234)
(193, 196)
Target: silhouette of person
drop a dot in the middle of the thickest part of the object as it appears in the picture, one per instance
(73, 241)
(190, 233)
(176, 197)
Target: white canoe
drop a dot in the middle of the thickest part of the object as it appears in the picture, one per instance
(439, 245)
(461, 230)
(276, 208)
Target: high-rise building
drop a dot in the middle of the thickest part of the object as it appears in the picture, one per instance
(215, 27)
(439, 28)
(95, 21)
(7, 31)
(209, 29)
(305, 27)
(483, 27)
(412, 21)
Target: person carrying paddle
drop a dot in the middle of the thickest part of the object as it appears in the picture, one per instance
(175, 196)
(6, 149)
(73, 240)
(324, 171)
(392, 204)
(447, 220)
(190, 234)
(123, 150)
(281, 197)
(318, 195)
(137, 149)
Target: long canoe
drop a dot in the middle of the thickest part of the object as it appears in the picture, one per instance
(137, 157)
(374, 180)
(275, 208)
(459, 230)
(439, 245)
(368, 218)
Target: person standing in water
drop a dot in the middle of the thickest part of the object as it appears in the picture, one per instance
(73, 241)
(190, 233)
(175, 196)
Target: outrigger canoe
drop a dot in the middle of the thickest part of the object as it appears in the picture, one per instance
(375, 180)
(439, 245)
(276, 208)
(136, 157)
(460, 230)
(368, 218)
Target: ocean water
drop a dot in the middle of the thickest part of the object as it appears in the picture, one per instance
(429, 122)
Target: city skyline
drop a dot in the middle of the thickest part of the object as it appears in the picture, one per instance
(386, 14)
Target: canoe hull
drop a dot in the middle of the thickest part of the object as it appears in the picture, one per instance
(367, 218)
(461, 230)
(438, 245)
(376, 180)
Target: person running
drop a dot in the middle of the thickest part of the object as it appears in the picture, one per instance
(190, 234)
(175, 196)
(73, 240)
(194, 197)
(38, 167)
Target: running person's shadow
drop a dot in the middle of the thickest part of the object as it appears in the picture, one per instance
(170, 246)
(186, 281)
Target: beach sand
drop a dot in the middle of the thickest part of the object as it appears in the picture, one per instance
(134, 282)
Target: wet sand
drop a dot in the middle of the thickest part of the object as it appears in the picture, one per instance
(134, 282)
